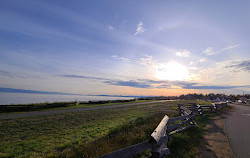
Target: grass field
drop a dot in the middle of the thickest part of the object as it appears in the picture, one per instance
(62, 105)
(90, 133)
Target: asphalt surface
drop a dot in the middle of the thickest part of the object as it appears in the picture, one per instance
(51, 112)
(238, 130)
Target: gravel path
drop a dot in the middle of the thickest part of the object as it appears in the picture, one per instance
(51, 112)
(238, 130)
(215, 143)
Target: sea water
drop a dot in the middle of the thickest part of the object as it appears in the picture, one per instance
(22, 98)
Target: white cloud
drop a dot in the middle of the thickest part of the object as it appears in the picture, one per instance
(224, 73)
(148, 61)
(121, 58)
(210, 51)
(240, 65)
(139, 28)
(109, 27)
(202, 60)
(183, 53)
(230, 47)
(193, 68)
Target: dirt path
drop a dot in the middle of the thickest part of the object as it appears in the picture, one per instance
(51, 112)
(215, 143)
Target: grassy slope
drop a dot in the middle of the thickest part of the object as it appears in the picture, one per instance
(186, 144)
(59, 105)
(73, 134)
(106, 104)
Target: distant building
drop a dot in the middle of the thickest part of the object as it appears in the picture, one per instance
(223, 99)
(217, 99)
(242, 100)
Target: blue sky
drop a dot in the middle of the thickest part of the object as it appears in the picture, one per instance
(125, 47)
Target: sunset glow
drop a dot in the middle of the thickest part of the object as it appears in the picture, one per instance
(124, 47)
(84, 78)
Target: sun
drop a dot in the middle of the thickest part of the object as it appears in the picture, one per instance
(172, 71)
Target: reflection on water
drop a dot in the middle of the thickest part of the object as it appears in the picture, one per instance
(21, 98)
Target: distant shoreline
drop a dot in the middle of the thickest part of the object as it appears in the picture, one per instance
(17, 99)
(73, 101)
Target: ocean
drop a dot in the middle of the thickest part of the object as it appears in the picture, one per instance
(23, 98)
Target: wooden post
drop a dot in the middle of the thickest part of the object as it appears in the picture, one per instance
(215, 107)
(179, 107)
(199, 109)
(158, 150)
(159, 138)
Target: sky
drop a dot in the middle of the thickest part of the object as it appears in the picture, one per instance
(129, 47)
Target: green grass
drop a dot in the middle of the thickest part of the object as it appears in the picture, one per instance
(46, 134)
(33, 106)
(81, 133)
(186, 144)
(17, 108)
(133, 132)
(87, 105)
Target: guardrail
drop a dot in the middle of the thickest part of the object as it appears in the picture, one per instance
(167, 127)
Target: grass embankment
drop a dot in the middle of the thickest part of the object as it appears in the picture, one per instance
(62, 105)
(186, 144)
(91, 133)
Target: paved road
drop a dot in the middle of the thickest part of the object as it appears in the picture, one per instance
(50, 112)
(238, 130)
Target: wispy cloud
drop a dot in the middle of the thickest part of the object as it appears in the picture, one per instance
(183, 53)
(209, 87)
(135, 84)
(121, 58)
(241, 65)
(10, 74)
(84, 77)
(230, 47)
(164, 86)
(211, 51)
(202, 60)
(129, 84)
(148, 61)
(110, 27)
(150, 84)
(12, 90)
(229, 72)
(156, 84)
(6, 73)
(139, 28)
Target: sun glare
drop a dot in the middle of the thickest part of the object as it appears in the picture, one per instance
(172, 71)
